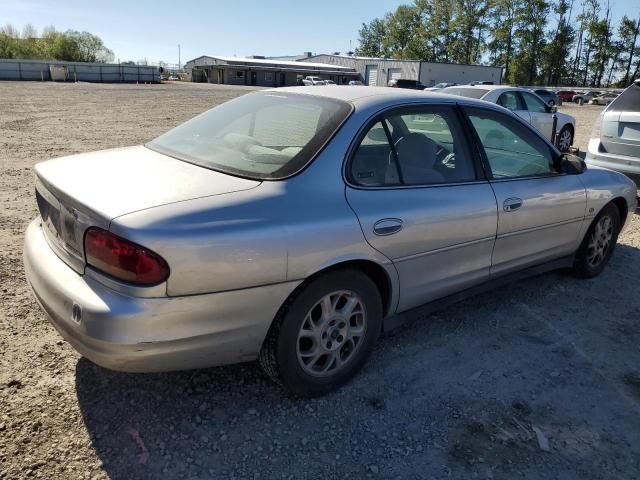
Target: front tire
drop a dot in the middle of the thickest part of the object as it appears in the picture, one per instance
(565, 138)
(324, 333)
(598, 244)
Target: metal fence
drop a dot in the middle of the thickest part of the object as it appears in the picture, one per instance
(43, 70)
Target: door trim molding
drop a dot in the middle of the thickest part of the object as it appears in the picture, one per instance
(445, 249)
(541, 227)
(422, 311)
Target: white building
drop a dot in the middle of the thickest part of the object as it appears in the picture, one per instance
(379, 71)
(264, 72)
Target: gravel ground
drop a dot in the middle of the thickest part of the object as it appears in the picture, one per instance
(540, 379)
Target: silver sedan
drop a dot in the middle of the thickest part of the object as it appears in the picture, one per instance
(528, 106)
(292, 226)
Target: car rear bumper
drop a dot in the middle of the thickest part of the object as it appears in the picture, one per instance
(136, 334)
(619, 163)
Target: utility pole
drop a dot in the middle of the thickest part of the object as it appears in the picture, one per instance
(179, 66)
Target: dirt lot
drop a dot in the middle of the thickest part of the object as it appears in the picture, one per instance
(460, 394)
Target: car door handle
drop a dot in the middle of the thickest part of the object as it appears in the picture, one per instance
(387, 226)
(511, 204)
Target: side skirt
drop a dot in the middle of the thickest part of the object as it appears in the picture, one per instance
(423, 311)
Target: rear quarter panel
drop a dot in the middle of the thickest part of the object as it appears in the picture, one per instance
(279, 231)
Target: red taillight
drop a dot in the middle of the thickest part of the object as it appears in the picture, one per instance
(122, 259)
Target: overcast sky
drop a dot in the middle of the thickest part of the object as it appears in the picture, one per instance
(136, 29)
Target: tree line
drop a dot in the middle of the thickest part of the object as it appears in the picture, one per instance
(536, 42)
(70, 46)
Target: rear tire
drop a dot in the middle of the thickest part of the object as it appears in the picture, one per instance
(323, 334)
(598, 244)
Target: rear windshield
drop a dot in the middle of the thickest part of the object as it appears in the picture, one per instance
(627, 101)
(259, 135)
(466, 92)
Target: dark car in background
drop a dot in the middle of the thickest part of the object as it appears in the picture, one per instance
(404, 83)
(549, 97)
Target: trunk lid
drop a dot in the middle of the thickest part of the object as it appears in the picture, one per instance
(621, 133)
(91, 189)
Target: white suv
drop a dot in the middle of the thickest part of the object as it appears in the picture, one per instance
(615, 139)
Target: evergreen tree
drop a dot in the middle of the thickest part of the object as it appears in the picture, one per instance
(531, 18)
(557, 50)
(629, 34)
(502, 44)
(370, 38)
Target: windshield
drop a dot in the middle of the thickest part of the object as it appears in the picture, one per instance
(466, 92)
(259, 135)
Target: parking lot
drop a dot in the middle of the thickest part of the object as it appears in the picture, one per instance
(470, 392)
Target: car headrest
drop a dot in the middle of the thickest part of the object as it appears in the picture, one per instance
(417, 150)
(417, 156)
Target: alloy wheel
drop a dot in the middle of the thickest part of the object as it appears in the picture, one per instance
(600, 241)
(565, 139)
(331, 333)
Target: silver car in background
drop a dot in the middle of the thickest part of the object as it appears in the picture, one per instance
(604, 98)
(293, 225)
(586, 97)
(615, 139)
(528, 106)
(549, 97)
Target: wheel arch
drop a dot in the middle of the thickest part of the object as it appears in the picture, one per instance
(376, 272)
(570, 126)
(623, 208)
(383, 279)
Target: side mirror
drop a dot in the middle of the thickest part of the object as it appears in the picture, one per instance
(571, 164)
(552, 109)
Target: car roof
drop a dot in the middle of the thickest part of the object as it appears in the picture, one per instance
(353, 94)
(493, 88)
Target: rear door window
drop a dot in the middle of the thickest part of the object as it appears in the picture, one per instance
(416, 146)
(533, 103)
(511, 101)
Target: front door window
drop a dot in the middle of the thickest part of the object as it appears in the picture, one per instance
(511, 149)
